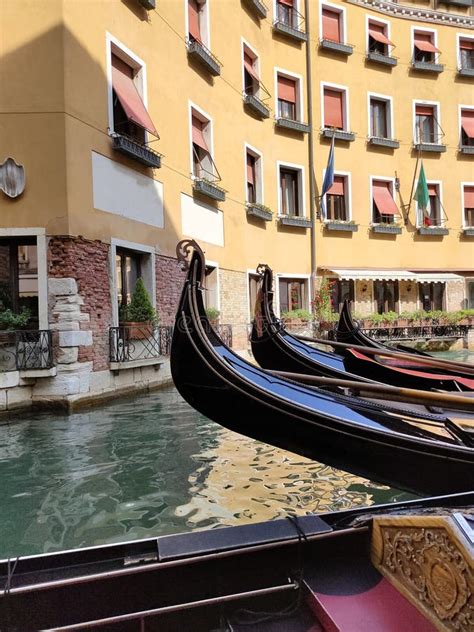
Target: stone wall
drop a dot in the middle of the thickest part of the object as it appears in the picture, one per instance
(408, 291)
(234, 309)
(455, 295)
(364, 301)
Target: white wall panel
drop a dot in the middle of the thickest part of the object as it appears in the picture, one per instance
(201, 222)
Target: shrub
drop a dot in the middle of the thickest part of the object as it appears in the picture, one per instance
(10, 320)
(140, 309)
(322, 300)
(302, 314)
(212, 313)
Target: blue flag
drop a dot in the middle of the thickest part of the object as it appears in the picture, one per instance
(328, 178)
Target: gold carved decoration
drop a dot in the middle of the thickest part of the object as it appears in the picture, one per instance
(429, 561)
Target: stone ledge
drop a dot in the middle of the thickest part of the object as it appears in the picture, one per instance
(134, 364)
(75, 338)
(38, 373)
(62, 286)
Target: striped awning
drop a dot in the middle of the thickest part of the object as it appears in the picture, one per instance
(394, 275)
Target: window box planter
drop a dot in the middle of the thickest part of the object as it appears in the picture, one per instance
(378, 141)
(259, 8)
(427, 66)
(295, 220)
(259, 210)
(379, 58)
(466, 72)
(466, 149)
(204, 56)
(206, 187)
(338, 134)
(468, 231)
(436, 148)
(336, 47)
(296, 126)
(348, 227)
(137, 330)
(148, 4)
(140, 152)
(256, 105)
(391, 229)
(289, 31)
(433, 230)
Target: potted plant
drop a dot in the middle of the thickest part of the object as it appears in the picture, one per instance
(213, 314)
(139, 316)
(296, 318)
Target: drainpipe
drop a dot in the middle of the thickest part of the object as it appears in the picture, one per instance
(312, 188)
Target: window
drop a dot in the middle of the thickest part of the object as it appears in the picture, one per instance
(287, 97)
(128, 268)
(290, 191)
(468, 202)
(19, 277)
(380, 118)
(337, 207)
(211, 287)
(433, 214)
(254, 177)
(424, 48)
(466, 54)
(386, 296)
(341, 289)
(334, 108)
(384, 209)
(467, 128)
(130, 116)
(293, 294)
(286, 13)
(432, 296)
(251, 78)
(378, 41)
(426, 124)
(203, 166)
(332, 24)
(197, 21)
(253, 289)
(470, 295)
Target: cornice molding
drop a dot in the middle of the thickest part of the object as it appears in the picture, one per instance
(416, 14)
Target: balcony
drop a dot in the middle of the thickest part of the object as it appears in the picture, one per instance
(26, 350)
(433, 230)
(380, 58)
(339, 134)
(256, 105)
(204, 57)
(138, 344)
(341, 225)
(136, 150)
(258, 7)
(336, 47)
(466, 149)
(290, 23)
(380, 141)
(427, 66)
(435, 148)
(464, 71)
(295, 126)
(295, 220)
(254, 209)
(149, 5)
(468, 231)
(209, 189)
(388, 229)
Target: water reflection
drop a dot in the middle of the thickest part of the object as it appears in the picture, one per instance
(147, 466)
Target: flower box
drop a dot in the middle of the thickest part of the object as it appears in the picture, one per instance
(259, 8)
(296, 126)
(210, 189)
(468, 231)
(379, 58)
(289, 31)
(433, 230)
(137, 330)
(256, 105)
(427, 66)
(339, 134)
(259, 210)
(336, 47)
(348, 227)
(295, 220)
(203, 55)
(391, 229)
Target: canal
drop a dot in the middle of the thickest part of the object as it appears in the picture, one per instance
(147, 466)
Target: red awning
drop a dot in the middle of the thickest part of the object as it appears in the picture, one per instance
(432, 189)
(468, 197)
(193, 19)
(423, 41)
(248, 64)
(127, 94)
(424, 110)
(198, 136)
(467, 122)
(338, 186)
(286, 89)
(333, 108)
(331, 25)
(383, 198)
(289, 3)
(466, 44)
(377, 31)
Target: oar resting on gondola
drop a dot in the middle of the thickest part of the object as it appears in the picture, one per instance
(275, 348)
(419, 452)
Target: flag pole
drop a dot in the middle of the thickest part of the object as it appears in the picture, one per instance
(418, 156)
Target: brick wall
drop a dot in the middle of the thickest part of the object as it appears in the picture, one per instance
(234, 308)
(169, 283)
(88, 263)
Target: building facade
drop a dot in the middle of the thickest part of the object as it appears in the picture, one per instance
(145, 122)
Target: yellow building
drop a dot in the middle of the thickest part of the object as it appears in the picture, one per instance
(128, 125)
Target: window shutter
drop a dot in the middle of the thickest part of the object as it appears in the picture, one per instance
(331, 25)
(424, 110)
(193, 17)
(468, 197)
(286, 89)
(424, 41)
(433, 189)
(466, 44)
(333, 109)
(250, 169)
(198, 135)
(467, 122)
(289, 3)
(338, 186)
(248, 65)
(377, 31)
(383, 198)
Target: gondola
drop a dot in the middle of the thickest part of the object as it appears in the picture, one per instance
(415, 453)
(275, 348)
(309, 573)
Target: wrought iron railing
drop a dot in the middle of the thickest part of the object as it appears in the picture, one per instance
(413, 332)
(26, 350)
(144, 342)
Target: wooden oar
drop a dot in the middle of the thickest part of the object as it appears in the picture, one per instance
(433, 362)
(381, 391)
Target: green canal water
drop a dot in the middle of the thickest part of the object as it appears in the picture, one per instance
(148, 466)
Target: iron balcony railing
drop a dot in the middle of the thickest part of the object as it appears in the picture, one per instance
(412, 332)
(141, 341)
(26, 350)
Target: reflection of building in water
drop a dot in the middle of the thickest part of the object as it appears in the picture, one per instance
(241, 481)
(19, 277)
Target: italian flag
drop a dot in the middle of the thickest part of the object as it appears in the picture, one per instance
(422, 197)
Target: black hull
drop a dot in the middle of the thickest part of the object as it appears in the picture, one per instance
(278, 350)
(249, 401)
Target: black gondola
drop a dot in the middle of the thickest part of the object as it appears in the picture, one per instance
(407, 452)
(275, 348)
